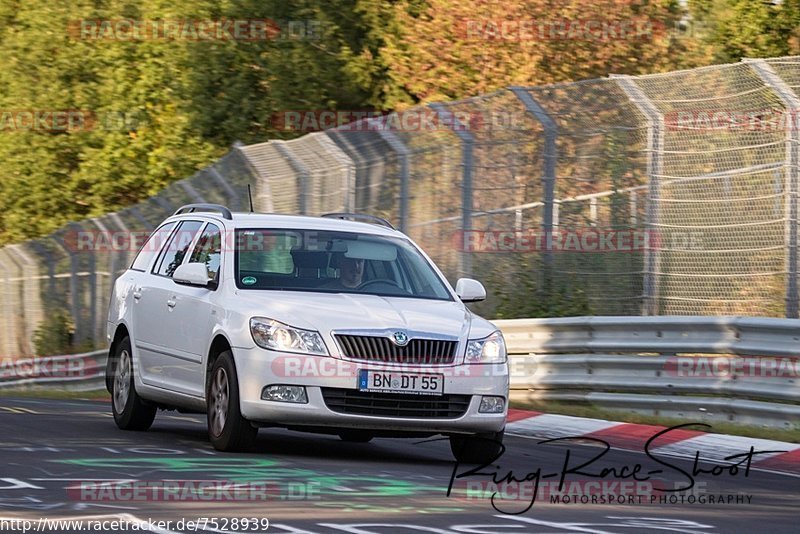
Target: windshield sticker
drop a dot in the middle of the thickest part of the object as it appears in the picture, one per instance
(249, 280)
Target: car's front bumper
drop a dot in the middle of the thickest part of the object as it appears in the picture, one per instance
(258, 368)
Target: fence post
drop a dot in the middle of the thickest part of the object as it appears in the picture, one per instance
(791, 102)
(191, 191)
(303, 176)
(402, 152)
(31, 295)
(550, 161)
(74, 288)
(262, 181)
(164, 204)
(126, 232)
(139, 217)
(655, 165)
(105, 292)
(467, 144)
(235, 200)
(345, 161)
(8, 308)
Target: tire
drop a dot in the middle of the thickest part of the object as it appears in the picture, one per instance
(130, 411)
(477, 449)
(227, 429)
(355, 436)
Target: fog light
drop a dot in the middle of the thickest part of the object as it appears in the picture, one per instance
(283, 393)
(492, 405)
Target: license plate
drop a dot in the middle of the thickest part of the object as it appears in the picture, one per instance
(395, 382)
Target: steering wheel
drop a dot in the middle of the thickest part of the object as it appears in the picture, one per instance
(387, 281)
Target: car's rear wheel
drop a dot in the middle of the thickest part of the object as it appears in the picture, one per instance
(227, 429)
(478, 448)
(355, 436)
(130, 411)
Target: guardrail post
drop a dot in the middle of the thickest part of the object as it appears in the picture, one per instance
(655, 147)
(550, 161)
(402, 153)
(467, 144)
(303, 176)
(791, 102)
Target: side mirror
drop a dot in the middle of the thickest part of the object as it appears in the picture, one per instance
(191, 274)
(469, 290)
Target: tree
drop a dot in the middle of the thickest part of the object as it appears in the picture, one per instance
(734, 29)
(159, 109)
(446, 49)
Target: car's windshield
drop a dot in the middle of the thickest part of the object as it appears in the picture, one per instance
(334, 262)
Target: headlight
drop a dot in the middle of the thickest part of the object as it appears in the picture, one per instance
(272, 335)
(490, 349)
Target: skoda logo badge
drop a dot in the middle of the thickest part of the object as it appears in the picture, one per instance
(400, 338)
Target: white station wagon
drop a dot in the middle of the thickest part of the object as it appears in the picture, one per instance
(321, 324)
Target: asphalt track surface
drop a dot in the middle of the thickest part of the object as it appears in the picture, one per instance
(66, 459)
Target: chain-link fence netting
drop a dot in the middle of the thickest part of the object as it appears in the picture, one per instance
(662, 194)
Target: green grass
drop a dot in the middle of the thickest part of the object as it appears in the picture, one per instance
(579, 409)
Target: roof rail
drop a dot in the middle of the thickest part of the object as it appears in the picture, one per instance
(362, 217)
(191, 208)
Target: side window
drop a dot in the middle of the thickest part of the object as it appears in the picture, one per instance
(151, 247)
(259, 251)
(173, 253)
(208, 250)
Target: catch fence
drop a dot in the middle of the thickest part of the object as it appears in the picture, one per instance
(663, 194)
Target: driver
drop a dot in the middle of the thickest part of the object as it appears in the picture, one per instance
(351, 273)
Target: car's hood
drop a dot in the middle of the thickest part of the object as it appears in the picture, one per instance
(326, 312)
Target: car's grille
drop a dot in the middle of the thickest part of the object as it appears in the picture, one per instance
(352, 401)
(382, 349)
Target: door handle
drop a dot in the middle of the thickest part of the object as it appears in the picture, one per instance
(171, 303)
(137, 294)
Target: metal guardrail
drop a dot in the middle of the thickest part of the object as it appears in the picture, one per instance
(685, 367)
(711, 368)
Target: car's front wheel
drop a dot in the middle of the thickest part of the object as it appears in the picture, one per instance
(130, 411)
(227, 429)
(478, 448)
